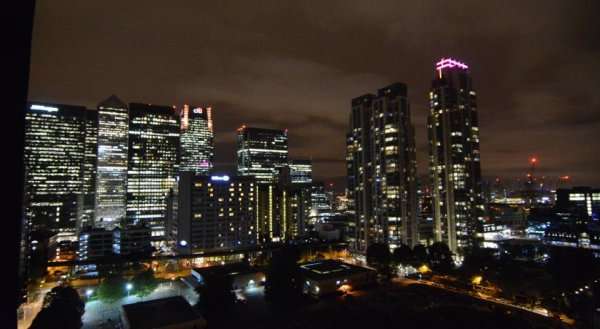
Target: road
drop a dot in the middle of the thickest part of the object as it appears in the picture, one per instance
(478, 295)
(32, 307)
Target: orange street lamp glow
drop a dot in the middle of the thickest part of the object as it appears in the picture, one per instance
(424, 269)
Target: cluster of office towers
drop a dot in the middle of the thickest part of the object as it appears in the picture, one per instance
(381, 163)
(149, 168)
(145, 173)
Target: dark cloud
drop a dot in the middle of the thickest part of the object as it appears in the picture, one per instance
(296, 65)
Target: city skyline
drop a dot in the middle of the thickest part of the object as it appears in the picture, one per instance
(543, 112)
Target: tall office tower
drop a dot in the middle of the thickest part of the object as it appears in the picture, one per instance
(111, 172)
(454, 164)
(261, 153)
(54, 154)
(88, 196)
(214, 212)
(320, 206)
(300, 171)
(197, 145)
(152, 164)
(381, 165)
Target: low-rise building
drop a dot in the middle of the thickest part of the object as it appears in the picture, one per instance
(95, 243)
(328, 276)
(242, 275)
(166, 313)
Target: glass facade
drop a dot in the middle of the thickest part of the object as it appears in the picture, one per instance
(54, 154)
(261, 153)
(152, 164)
(197, 141)
(300, 171)
(88, 195)
(111, 182)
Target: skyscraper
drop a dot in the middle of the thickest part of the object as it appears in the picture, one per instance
(261, 153)
(54, 154)
(359, 166)
(197, 146)
(454, 158)
(152, 164)
(88, 195)
(300, 171)
(111, 173)
(381, 165)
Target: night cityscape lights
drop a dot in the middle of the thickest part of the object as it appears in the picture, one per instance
(438, 170)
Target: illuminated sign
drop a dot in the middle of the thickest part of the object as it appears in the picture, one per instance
(198, 110)
(44, 108)
(223, 178)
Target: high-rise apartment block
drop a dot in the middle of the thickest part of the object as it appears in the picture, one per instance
(454, 159)
(381, 166)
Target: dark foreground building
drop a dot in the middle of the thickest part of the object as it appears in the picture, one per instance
(165, 313)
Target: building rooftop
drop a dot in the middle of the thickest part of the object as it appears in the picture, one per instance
(160, 313)
(326, 269)
(228, 269)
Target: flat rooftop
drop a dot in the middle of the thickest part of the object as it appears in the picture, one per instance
(160, 313)
(330, 269)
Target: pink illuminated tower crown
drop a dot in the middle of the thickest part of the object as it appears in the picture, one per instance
(449, 63)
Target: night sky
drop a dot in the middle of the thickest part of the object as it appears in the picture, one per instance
(535, 66)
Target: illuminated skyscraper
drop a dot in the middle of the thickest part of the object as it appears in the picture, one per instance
(261, 153)
(54, 154)
(88, 196)
(111, 173)
(152, 164)
(197, 146)
(381, 165)
(300, 171)
(455, 167)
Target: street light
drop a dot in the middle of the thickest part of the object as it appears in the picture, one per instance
(129, 286)
(89, 293)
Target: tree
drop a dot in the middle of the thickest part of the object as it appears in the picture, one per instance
(379, 256)
(571, 267)
(215, 293)
(283, 274)
(63, 308)
(111, 289)
(402, 254)
(440, 257)
(419, 254)
(144, 283)
(480, 261)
